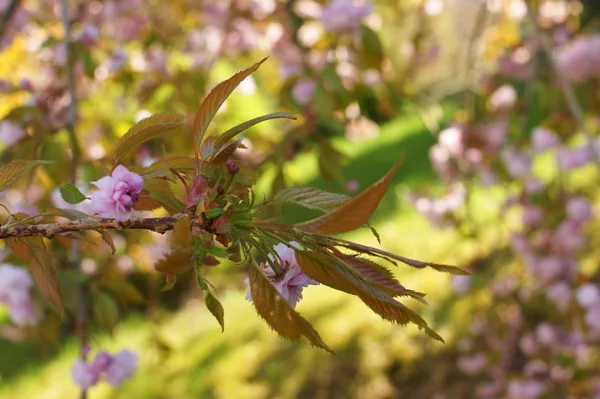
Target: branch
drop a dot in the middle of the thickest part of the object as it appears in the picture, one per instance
(50, 230)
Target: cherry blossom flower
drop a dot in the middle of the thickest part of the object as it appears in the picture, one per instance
(84, 374)
(118, 193)
(293, 280)
(10, 133)
(580, 59)
(121, 367)
(543, 139)
(579, 209)
(113, 368)
(303, 91)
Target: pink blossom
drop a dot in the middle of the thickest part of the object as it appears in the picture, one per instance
(588, 295)
(543, 139)
(568, 236)
(473, 364)
(83, 374)
(592, 318)
(293, 280)
(118, 193)
(515, 68)
(303, 91)
(102, 361)
(546, 334)
(10, 133)
(533, 185)
(525, 389)
(532, 215)
(579, 209)
(580, 59)
(344, 15)
(573, 158)
(560, 294)
(15, 286)
(440, 159)
(461, 284)
(503, 98)
(452, 138)
(122, 366)
(517, 163)
(352, 186)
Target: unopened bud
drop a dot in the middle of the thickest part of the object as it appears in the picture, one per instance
(232, 167)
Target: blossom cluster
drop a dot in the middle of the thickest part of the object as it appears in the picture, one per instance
(113, 368)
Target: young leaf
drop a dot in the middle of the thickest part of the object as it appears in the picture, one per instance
(223, 154)
(13, 171)
(170, 203)
(337, 275)
(211, 104)
(310, 198)
(354, 213)
(33, 251)
(215, 307)
(218, 252)
(278, 313)
(181, 236)
(71, 194)
(234, 131)
(213, 212)
(145, 202)
(146, 129)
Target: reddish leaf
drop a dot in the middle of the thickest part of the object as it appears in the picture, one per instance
(278, 313)
(173, 263)
(211, 104)
(354, 213)
(33, 251)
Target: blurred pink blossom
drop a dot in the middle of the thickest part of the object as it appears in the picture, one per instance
(461, 284)
(526, 389)
(568, 236)
(122, 367)
(114, 368)
(15, 286)
(579, 209)
(580, 59)
(83, 374)
(543, 139)
(560, 293)
(532, 215)
(303, 91)
(117, 193)
(10, 133)
(473, 364)
(344, 15)
(573, 158)
(503, 98)
(517, 163)
(293, 280)
(452, 138)
(588, 295)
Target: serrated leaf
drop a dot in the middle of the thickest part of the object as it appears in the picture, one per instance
(33, 251)
(311, 198)
(146, 129)
(173, 263)
(211, 104)
(13, 171)
(208, 147)
(164, 167)
(234, 131)
(278, 313)
(215, 308)
(71, 194)
(170, 203)
(341, 277)
(218, 252)
(354, 213)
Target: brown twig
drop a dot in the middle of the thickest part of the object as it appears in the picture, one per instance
(50, 230)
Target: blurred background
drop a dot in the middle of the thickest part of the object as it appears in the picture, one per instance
(494, 104)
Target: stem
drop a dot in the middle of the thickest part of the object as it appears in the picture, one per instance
(75, 255)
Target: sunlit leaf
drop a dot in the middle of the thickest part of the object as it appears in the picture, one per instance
(234, 131)
(146, 129)
(211, 104)
(71, 194)
(310, 198)
(170, 203)
(278, 313)
(13, 171)
(33, 251)
(354, 213)
(181, 235)
(337, 275)
(215, 308)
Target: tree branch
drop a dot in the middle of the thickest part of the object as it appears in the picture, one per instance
(50, 230)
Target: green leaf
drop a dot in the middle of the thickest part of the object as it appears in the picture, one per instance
(213, 101)
(215, 307)
(71, 194)
(330, 162)
(310, 198)
(13, 171)
(278, 313)
(213, 212)
(33, 251)
(234, 131)
(146, 129)
(169, 202)
(218, 252)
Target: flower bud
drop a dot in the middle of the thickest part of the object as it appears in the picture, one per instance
(232, 167)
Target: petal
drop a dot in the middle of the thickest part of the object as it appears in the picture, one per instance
(106, 183)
